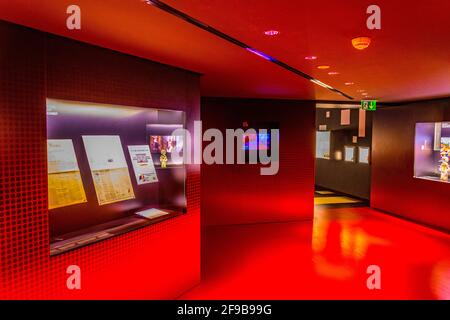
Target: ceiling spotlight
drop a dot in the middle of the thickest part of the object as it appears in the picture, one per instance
(361, 43)
(323, 67)
(333, 73)
(271, 32)
(349, 83)
(310, 58)
(361, 90)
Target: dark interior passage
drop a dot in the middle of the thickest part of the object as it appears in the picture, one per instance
(337, 169)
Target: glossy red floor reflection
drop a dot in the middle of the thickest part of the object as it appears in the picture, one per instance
(325, 259)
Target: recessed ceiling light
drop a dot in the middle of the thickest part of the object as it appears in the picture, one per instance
(310, 58)
(361, 43)
(271, 32)
(365, 94)
(333, 73)
(361, 90)
(349, 83)
(323, 67)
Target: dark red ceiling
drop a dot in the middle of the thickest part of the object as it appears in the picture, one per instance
(409, 58)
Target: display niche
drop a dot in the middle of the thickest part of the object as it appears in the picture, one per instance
(432, 151)
(111, 170)
(323, 145)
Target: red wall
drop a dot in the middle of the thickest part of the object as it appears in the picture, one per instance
(159, 261)
(393, 187)
(236, 194)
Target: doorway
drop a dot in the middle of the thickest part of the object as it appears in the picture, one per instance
(343, 155)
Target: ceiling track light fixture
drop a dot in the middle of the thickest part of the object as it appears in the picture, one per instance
(259, 53)
(181, 15)
(320, 83)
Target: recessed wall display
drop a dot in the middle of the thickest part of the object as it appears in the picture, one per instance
(256, 141)
(102, 173)
(323, 145)
(363, 154)
(432, 151)
(349, 154)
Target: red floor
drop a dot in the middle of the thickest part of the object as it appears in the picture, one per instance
(325, 259)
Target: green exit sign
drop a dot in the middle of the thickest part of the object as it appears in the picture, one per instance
(369, 105)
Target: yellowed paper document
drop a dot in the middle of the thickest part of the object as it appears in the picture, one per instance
(109, 169)
(65, 187)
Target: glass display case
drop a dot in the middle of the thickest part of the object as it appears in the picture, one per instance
(349, 153)
(110, 170)
(323, 144)
(363, 155)
(432, 151)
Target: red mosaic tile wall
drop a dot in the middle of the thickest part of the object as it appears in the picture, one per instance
(159, 261)
(244, 195)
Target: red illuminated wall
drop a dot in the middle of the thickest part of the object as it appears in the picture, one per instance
(159, 261)
(393, 187)
(235, 194)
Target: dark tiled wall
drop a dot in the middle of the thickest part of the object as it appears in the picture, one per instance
(235, 194)
(160, 261)
(394, 189)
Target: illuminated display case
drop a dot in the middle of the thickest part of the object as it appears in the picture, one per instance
(432, 151)
(323, 144)
(111, 169)
(349, 154)
(363, 155)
